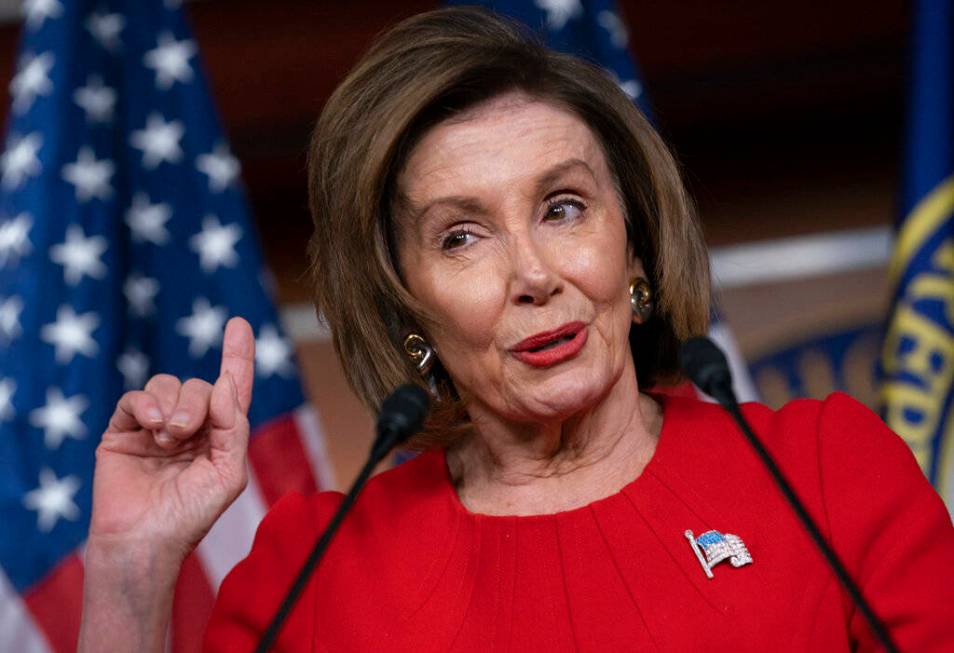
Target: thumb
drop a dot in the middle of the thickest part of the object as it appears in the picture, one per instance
(238, 360)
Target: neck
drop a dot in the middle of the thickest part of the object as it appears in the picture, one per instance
(519, 469)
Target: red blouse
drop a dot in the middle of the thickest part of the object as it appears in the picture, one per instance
(413, 570)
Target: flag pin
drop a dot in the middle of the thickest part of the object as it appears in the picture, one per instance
(712, 547)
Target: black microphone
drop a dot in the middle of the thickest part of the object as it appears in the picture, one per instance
(706, 366)
(401, 416)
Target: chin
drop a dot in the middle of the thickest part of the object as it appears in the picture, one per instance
(563, 395)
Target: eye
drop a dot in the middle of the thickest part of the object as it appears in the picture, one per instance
(456, 239)
(563, 208)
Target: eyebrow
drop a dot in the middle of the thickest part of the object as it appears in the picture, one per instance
(472, 205)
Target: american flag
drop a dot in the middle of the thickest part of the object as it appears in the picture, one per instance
(595, 31)
(125, 245)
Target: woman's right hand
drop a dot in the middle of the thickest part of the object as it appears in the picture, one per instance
(174, 456)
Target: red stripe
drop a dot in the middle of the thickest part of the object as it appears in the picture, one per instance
(191, 607)
(279, 460)
(56, 604)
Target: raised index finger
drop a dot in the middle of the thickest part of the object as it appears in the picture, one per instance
(238, 359)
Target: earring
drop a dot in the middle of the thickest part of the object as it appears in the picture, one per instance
(641, 299)
(420, 352)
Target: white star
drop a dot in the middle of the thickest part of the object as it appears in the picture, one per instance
(10, 309)
(134, 366)
(71, 334)
(559, 12)
(14, 239)
(272, 353)
(53, 499)
(19, 160)
(632, 88)
(221, 167)
(216, 244)
(147, 222)
(32, 80)
(105, 28)
(140, 292)
(96, 100)
(611, 22)
(159, 141)
(79, 255)
(7, 388)
(170, 60)
(35, 12)
(203, 328)
(90, 175)
(60, 418)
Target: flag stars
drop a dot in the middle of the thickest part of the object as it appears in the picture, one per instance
(159, 141)
(106, 28)
(203, 328)
(215, 244)
(140, 294)
(20, 160)
(35, 12)
(60, 418)
(170, 61)
(31, 81)
(80, 255)
(71, 334)
(90, 176)
(147, 221)
(10, 309)
(96, 100)
(611, 22)
(7, 389)
(14, 239)
(559, 12)
(272, 353)
(134, 366)
(53, 500)
(220, 166)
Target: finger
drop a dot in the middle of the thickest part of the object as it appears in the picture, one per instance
(165, 388)
(191, 409)
(136, 410)
(238, 359)
(228, 435)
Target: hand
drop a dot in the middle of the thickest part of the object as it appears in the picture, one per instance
(174, 455)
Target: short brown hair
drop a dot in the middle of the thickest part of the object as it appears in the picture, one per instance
(422, 71)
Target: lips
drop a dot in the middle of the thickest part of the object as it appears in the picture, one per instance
(551, 347)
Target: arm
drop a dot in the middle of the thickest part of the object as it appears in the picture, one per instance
(890, 528)
(170, 462)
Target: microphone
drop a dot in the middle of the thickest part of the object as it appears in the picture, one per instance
(401, 416)
(706, 366)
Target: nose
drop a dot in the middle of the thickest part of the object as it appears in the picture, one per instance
(534, 280)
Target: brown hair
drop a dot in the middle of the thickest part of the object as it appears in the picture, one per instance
(422, 71)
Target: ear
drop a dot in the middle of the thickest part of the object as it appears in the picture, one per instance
(634, 266)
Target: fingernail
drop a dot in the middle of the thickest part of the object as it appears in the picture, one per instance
(180, 419)
(154, 415)
(163, 438)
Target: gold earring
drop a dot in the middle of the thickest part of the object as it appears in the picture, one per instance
(420, 352)
(641, 299)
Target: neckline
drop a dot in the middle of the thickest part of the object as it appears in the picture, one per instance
(663, 444)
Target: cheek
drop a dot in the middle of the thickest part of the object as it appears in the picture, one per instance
(466, 304)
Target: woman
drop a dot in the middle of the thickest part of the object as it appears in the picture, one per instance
(500, 223)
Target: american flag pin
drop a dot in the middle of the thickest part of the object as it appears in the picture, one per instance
(712, 547)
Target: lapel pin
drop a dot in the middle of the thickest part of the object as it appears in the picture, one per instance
(712, 547)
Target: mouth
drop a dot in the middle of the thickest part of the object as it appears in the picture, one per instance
(551, 347)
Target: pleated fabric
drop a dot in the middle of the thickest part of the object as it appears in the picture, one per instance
(413, 570)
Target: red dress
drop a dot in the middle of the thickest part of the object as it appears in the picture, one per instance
(413, 570)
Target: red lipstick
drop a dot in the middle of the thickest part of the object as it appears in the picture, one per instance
(551, 347)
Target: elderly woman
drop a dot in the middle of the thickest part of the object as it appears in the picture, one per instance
(499, 223)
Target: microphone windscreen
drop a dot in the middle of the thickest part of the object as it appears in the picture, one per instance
(706, 366)
(403, 411)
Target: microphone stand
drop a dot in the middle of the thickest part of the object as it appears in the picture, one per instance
(717, 383)
(401, 416)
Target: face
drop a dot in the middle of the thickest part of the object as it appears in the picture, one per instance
(512, 236)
